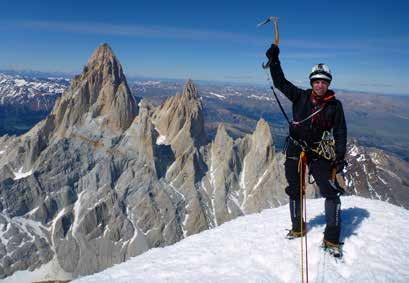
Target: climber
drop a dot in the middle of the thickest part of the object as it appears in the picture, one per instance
(315, 111)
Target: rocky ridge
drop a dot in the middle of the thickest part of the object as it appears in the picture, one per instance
(102, 179)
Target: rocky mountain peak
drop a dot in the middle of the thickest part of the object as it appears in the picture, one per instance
(190, 90)
(102, 52)
(180, 119)
(102, 66)
(221, 135)
(101, 91)
(98, 101)
(262, 132)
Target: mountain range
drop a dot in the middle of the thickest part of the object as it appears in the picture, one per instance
(105, 177)
(374, 120)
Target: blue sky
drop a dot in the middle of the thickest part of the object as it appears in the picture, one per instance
(365, 43)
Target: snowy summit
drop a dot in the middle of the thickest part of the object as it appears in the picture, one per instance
(253, 248)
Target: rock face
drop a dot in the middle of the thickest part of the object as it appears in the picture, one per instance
(242, 178)
(102, 179)
(179, 121)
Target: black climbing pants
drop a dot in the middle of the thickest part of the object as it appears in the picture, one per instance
(321, 171)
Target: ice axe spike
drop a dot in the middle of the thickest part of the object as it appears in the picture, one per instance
(276, 39)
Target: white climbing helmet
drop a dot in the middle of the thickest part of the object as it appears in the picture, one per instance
(320, 72)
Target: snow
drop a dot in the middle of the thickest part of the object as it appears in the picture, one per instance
(161, 140)
(213, 185)
(217, 95)
(361, 158)
(2, 151)
(134, 225)
(20, 82)
(22, 88)
(354, 151)
(253, 249)
(372, 190)
(52, 227)
(77, 215)
(243, 184)
(20, 174)
(35, 226)
(259, 97)
(260, 180)
(382, 180)
(390, 173)
(48, 271)
(147, 83)
(177, 191)
(3, 230)
(374, 158)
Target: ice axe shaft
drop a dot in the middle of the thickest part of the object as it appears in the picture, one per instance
(276, 38)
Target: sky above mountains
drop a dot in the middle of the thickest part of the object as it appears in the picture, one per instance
(367, 47)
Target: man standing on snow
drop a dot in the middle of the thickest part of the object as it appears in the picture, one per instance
(314, 111)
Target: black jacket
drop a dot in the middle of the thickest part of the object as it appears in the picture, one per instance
(330, 118)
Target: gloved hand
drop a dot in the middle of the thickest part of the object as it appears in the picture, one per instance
(272, 53)
(339, 164)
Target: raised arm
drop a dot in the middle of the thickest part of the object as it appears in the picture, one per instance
(287, 88)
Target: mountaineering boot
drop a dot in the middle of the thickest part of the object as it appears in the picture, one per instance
(295, 234)
(333, 249)
(295, 213)
(332, 219)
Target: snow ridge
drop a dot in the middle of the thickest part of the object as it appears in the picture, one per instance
(253, 249)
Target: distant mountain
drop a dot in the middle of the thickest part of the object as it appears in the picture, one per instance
(374, 120)
(37, 93)
(375, 174)
(26, 100)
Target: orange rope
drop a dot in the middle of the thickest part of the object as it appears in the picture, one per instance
(301, 169)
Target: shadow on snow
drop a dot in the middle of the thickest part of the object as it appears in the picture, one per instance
(351, 218)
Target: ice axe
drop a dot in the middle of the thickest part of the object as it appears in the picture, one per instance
(275, 21)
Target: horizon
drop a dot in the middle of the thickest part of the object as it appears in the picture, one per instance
(44, 75)
(216, 42)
